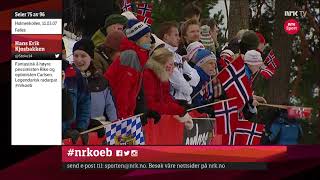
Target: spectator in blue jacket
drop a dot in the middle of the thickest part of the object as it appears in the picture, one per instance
(206, 66)
(76, 87)
(284, 131)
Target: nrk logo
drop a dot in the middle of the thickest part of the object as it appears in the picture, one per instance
(295, 13)
(292, 26)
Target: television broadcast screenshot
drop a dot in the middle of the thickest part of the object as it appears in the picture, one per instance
(160, 89)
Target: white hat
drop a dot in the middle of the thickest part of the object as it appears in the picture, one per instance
(253, 57)
(192, 49)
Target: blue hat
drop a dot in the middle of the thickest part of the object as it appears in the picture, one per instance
(202, 56)
(136, 29)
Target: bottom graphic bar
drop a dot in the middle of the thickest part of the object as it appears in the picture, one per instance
(166, 165)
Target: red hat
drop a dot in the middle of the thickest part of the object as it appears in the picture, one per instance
(261, 38)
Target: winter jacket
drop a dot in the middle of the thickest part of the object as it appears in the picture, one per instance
(102, 103)
(156, 89)
(99, 37)
(101, 61)
(181, 88)
(206, 95)
(125, 77)
(284, 131)
(77, 89)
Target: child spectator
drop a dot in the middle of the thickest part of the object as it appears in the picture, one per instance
(206, 66)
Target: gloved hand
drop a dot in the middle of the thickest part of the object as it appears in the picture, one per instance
(150, 114)
(73, 134)
(187, 77)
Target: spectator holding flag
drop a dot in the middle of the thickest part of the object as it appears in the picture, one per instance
(125, 73)
(114, 22)
(206, 66)
(248, 44)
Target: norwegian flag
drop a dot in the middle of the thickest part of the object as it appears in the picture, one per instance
(271, 61)
(225, 60)
(145, 9)
(267, 72)
(235, 82)
(144, 19)
(226, 114)
(246, 133)
(126, 5)
(299, 112)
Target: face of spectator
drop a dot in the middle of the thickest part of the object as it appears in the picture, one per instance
(172, 38)
(169, 66)
(145, 41)
(214, 32)
(81, 59)
(192, 33)
(209, 67)
(114, 27)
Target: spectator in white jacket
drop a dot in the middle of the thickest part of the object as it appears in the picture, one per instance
(184, 77)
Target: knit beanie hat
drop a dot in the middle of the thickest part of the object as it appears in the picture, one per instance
(253, 57)
(261, 38)
(115, 19)
(192, 49)
(202, 56)
(206, 38)
(136, 29)
(84, 45)
(250, 40)
(114, 39)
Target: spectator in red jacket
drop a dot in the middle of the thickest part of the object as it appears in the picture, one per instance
(125, 73)
(156, 86)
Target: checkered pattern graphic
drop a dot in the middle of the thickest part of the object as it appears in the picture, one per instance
(127, 127)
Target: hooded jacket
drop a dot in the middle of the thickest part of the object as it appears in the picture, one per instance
(156, 89)
(125, 77)
(181, 89)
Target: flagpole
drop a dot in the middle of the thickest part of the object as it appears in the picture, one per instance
(109, 123)
(211, 104)
(275, 106)
(209, 119)
(282, 106)
(211, 80)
